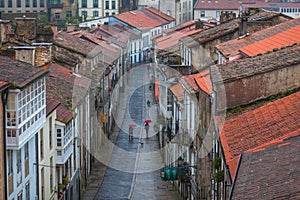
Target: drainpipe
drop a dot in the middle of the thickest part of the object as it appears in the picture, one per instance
(37, 161)
(4, 96)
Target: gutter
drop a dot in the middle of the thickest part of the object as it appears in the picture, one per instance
(236, 174)
(4, 96)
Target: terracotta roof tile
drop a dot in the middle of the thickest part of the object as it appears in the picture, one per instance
(272, 173)
(51, 104)
(63, 114)
(178, 91)
(283, 39)
(19, 73)
(170, 42)
(75, 44)
(139, 20)
(217, 4)
(275, 121)
(203, 81)
(255, 65)
(3, 84)
(232, 47)
(224, 28)
(65, 86)
(111, 54)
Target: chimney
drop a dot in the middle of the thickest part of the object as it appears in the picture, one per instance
(43, 53)
(243, 25)
(25, 54)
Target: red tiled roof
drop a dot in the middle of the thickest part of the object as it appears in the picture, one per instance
(276, 120)
(270, 5)
(217, 5)
(64, 115)
(200, 80)
(225, 28)
(190, 80)
(65, 86)
(140, 20)
(20, 74)
(3, 84)
(76, 44)
(230, 48)
(110, 53)
(178, 91)
(203, 81)
(51, 104)
(283, 39)
(170, 41)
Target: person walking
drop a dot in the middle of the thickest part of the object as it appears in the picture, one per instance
(130, 133)
(147, 126)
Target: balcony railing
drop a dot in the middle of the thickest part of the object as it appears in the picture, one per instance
(17, 140)
(63, 157)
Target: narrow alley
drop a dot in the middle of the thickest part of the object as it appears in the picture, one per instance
(138, 173)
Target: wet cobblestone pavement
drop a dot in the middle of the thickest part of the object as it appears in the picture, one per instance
(144, 158)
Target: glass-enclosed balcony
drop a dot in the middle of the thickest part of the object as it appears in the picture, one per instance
(25, 113)
(64, 143)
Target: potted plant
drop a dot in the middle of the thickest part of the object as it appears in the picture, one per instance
(65, 180)
(219, 176)
(217, 163)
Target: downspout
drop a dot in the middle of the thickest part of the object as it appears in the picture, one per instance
(4, 96)
(236, 174)
(37, 161)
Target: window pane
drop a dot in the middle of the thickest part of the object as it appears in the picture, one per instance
(113, 5)
(83, 5)
(95, 3)
(9, 3)
(18, 3)
(2, 5)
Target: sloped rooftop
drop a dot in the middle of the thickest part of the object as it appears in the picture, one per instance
(224, 29)
(139, 20)
(178, 91)
(19, 74)
(275, 121)
(255, 65)
(76, 44)
(267, 39)
(272, 173)
(65, 86)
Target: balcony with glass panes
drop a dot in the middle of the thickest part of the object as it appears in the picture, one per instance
(64, 143)
(25, 113)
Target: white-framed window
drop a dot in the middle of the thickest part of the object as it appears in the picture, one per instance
(27, 190)
(42, 144)
(95, 13)
(10, 161)
(20, 196)
(19, 160)
(50, 133)
(202, 14)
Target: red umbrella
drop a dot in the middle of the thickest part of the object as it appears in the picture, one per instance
(148, 120)
(132, 125)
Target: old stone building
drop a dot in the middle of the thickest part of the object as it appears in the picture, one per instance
(198, 50)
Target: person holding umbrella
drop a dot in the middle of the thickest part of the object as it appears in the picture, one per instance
(147, 126)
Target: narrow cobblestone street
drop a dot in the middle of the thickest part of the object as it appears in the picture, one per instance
(144, 154)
